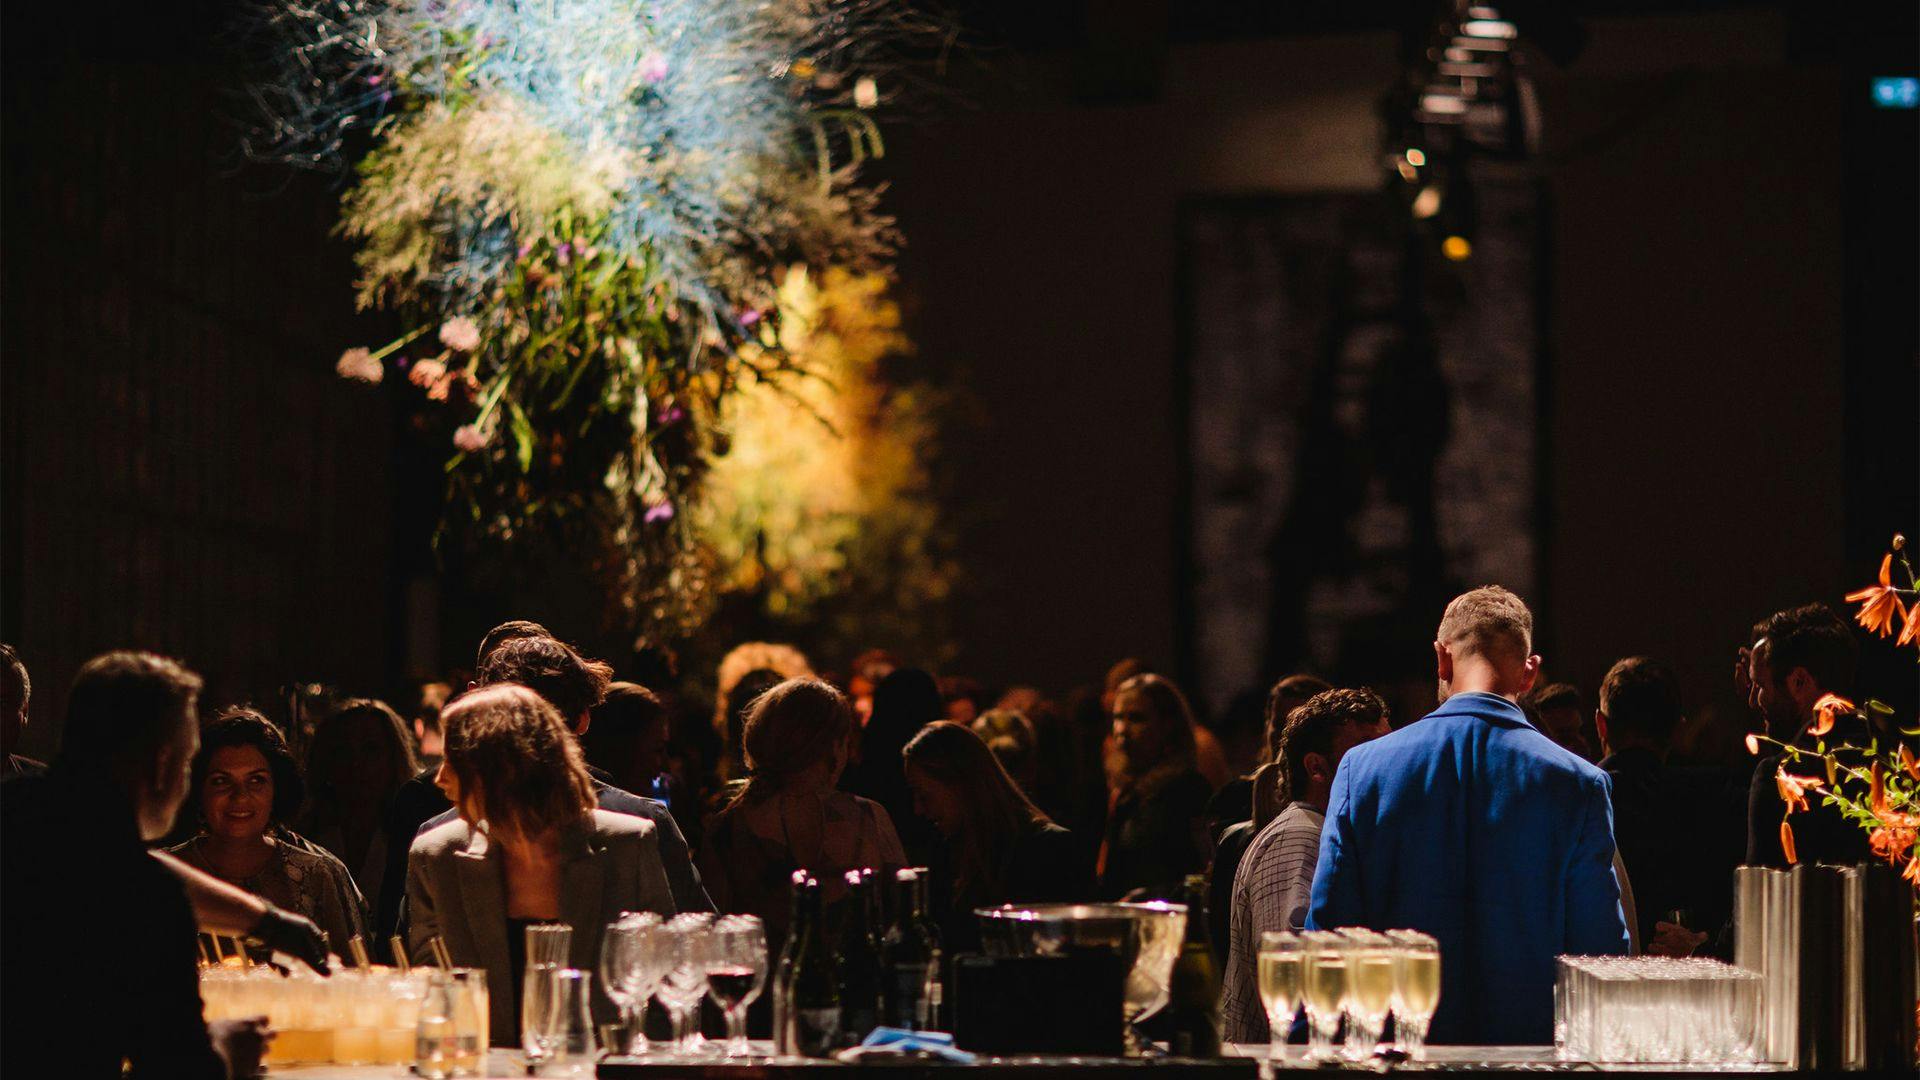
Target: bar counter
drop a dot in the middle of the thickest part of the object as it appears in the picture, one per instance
(1242, 1062)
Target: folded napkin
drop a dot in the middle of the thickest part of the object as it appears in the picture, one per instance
(888, 1042)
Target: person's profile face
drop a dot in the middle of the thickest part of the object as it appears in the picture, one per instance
(237, 797)
(1136, 730)
(937, 802)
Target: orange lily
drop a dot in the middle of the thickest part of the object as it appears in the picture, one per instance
(1909, 762)
(1880, 603)
(1786, 843)
(1793, 789)
(1877, 801)
(1913, 870)
(1824, 711)
(1890, 844)
(1912, 632)
(1753, 744)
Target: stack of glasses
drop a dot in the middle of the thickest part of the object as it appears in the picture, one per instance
(679, 962)
(1650, 1010)
(1361, 976)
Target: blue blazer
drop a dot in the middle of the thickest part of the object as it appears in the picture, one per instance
(1471, 825)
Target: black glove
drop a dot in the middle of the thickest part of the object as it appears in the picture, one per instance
(295, 935)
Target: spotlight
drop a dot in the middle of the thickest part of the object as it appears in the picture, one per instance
(1456, 248)
(1416, 157)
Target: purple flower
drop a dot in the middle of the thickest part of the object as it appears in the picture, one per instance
(653, 68)
(658, 512)
(751, 316)
(670, 415)
(374, 79)
(563, 254)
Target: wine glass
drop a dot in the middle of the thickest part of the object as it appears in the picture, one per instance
(1281, 965)
(1370, 970)
(1324, 991)
(685, 941)
(623, 973)
(737, 973)
(1416, 989)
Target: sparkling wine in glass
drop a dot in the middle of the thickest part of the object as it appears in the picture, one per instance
(1281, 966)
(1416, 989)
(1325, 991)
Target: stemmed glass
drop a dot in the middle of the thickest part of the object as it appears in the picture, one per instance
(1325, 991)
(627, 976)
(1416, 989)
(1282, 963)
(737, 973)
(685, 940)
(1370, 967)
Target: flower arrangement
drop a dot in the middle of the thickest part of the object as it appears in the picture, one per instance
(581, 210)
(1875, 787)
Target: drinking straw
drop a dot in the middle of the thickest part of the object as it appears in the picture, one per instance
(206, 956)
(440, 951)
(359, 950)
(219, 950)
(399, 954)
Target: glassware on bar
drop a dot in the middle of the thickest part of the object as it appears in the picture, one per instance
(1369, 989)
(1281, 966)
(1653, 1010)
(737, 973)
(567, 1027)
(446, 1033)
(1416, 989)
(627, 976)
(1324, 991)
(685, 940)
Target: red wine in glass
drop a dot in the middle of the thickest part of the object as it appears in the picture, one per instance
(730, 985)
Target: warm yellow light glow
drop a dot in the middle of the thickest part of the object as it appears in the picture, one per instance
(1456, 248)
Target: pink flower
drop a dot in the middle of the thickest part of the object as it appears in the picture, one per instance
(658, 512)
(460, 334)
(360, 365)
(653, 68)
(751, 316)
(426, 373)
(469, 439)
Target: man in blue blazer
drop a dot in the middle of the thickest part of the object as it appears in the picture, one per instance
(1473, 826)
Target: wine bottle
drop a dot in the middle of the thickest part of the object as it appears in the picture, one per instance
(789, 955)
(813, 1009)
(912, 957)
(862, 981)
(1193, 1005)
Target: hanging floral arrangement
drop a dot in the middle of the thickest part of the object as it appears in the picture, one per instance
(581, 211)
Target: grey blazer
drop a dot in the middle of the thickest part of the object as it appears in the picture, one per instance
(456, 891)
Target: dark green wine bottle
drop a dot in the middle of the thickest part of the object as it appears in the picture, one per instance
(912, 957)
(813, 1009)
(862, 980)
(1193, 1004)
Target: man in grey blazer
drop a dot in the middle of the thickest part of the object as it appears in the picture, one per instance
(528, 847)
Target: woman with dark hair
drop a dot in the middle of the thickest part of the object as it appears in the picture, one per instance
(788, 814)
(359, 757)
(1156, 826)
(905, 701)
(527, 848)
(1000, 847)
(246, 786)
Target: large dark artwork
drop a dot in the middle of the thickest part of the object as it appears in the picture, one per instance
(1361, 431)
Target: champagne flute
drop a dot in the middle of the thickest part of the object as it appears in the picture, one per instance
(1369, 989)
(737, 973)
(1325, 991)
(1416, 989)
(1281, 965)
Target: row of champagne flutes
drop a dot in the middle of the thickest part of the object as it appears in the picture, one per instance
(1650, 1009)
(1361, 976)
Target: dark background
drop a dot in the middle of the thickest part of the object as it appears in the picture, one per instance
(1727, 298)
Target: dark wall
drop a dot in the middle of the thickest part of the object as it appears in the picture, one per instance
(183, 471)
(1695, 461)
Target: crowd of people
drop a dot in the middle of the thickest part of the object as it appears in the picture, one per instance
(548, 792)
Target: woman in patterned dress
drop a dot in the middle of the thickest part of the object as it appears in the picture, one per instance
(245, 785)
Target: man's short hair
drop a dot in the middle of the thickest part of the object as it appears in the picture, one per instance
(1488, 621)
(1641, 698)
(1310, 729)
(125, 706)
(1812, 637)
(511, 630)
(568, 681)
(15, 686)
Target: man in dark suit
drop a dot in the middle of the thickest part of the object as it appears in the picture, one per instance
(1473, 826)
(1805, 654)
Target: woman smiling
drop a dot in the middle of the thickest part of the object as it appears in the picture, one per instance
(246, 785)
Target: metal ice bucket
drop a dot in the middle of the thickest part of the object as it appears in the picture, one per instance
(1147, 937)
